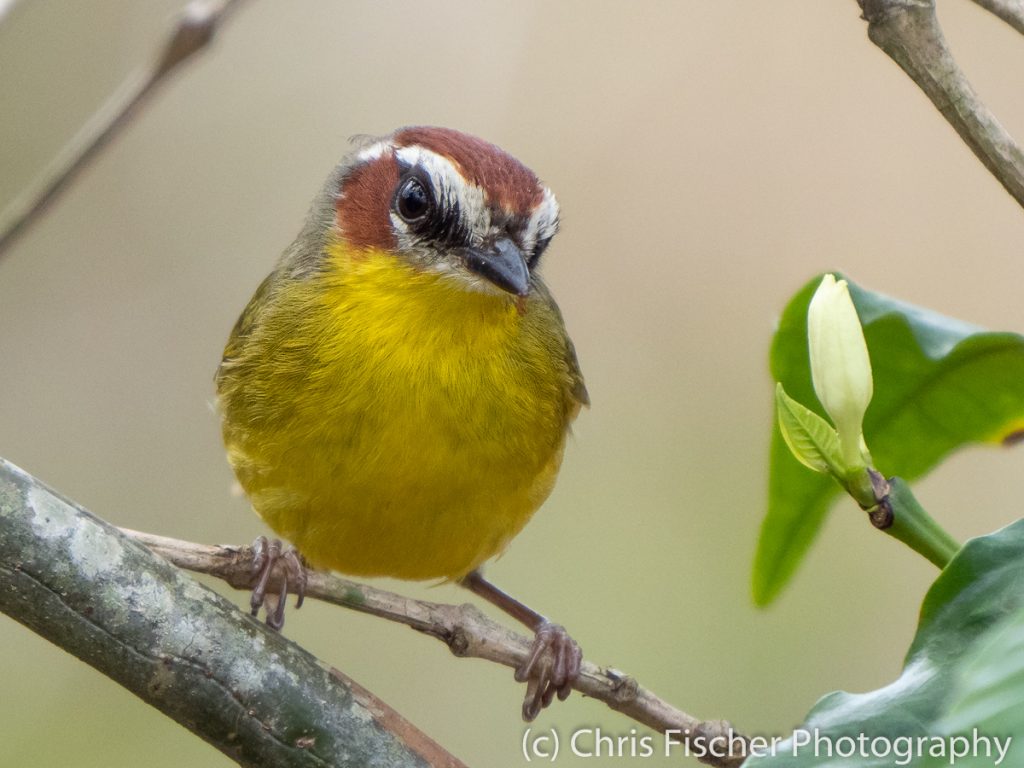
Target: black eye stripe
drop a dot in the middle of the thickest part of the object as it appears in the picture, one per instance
(430, 214)
(539, 247)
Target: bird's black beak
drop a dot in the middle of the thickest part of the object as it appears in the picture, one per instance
(502, 264)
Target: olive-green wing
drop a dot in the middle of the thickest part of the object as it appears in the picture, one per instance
(243, 327)
(579, 387)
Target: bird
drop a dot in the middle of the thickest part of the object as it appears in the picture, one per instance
(396, 397)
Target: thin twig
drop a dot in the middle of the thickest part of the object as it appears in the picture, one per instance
(192, 33)
(909, 32)
(1010, 11)
(463, 628)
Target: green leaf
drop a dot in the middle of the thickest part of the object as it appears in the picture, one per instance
(963, 670)
(939, 384)
(988, 693)
(811, 439)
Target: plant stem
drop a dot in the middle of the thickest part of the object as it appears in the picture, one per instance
(916, 528)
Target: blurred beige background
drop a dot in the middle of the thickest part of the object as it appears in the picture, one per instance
(709, 157)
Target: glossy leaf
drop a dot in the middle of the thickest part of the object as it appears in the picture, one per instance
(939, 384)
(962, 671)
(988, 693)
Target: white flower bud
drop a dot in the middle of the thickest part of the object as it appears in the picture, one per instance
(840, 366)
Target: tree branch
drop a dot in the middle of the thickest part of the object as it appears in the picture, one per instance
(909, 32)
(463, 628)
(193, 32)
(1010, 11)
(179, 646)
(97, 592)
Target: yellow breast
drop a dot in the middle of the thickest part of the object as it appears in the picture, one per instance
(390, 421)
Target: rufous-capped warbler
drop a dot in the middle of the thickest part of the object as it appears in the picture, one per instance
(396, 395)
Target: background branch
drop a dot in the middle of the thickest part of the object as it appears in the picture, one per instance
(1010, 11)
(179, 646)
(192, 33)
(6, 6)
(909, 32)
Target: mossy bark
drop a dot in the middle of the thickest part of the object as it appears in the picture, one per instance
(179, 646)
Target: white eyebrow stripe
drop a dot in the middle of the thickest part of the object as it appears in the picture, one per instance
(373, 151)
(451, 187)
(543, 222)
(455, 192)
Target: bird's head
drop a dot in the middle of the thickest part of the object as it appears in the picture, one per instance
(446, 202)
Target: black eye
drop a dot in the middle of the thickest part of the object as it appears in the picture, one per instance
(412, 201)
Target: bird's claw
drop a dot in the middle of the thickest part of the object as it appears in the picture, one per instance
(266, 553)
(551, 668)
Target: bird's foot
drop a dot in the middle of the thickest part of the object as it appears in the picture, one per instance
(266, 553)
(551, 668)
